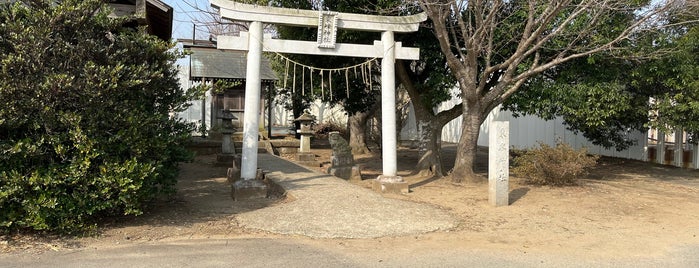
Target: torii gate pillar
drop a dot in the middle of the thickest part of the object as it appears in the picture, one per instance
(250, 186)
(389, 181)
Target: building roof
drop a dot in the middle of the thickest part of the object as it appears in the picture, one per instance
(209, 62)
(154, 13)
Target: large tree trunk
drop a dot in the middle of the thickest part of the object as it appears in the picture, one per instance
(429, 141)
(429, 147)
(357, 129)
(468, 146)
(402, 110)
(429, 127)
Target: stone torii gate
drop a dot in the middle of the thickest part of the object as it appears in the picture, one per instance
(327, 22)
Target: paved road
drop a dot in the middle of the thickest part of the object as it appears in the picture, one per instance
(289, 252)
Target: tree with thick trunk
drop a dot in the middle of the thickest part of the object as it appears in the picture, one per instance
(429, 124)
(428, 83)
(357, 130)
(494, 47)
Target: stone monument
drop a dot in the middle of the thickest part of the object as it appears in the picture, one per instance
(342, 162)
(499, 163)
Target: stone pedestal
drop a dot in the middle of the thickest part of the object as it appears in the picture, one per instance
(249, 189)
(390, 184)
(307, 159)
(225, 160)
(499, 163)
(342, 166)
(346, 172)
(304, 156)
(244, 189)
(227, 142)
(305, 146)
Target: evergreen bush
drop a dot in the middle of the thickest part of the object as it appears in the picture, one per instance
(85, 125)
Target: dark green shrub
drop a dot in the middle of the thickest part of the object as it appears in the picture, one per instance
(85, 129)
(559, 165)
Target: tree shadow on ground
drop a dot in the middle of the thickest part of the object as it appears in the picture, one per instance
(611, 168)
(425, 182)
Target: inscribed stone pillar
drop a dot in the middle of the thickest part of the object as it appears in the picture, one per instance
(695, 156)
(498, 163)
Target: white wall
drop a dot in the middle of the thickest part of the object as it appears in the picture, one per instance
(324, 113)
(193, 113)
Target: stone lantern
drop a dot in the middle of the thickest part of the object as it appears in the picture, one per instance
(227, 118)
(304, 156)
(227, 130)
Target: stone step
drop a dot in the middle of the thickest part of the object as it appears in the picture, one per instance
(280, 146)
(239, 147)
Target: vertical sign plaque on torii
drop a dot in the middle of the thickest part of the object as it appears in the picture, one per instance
(327, 29)
(327, 22)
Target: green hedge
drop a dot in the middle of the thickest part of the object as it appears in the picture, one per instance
(85, 125)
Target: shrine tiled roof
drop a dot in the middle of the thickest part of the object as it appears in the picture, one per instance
(212, 63)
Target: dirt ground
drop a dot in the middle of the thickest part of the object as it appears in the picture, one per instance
(622, 209)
